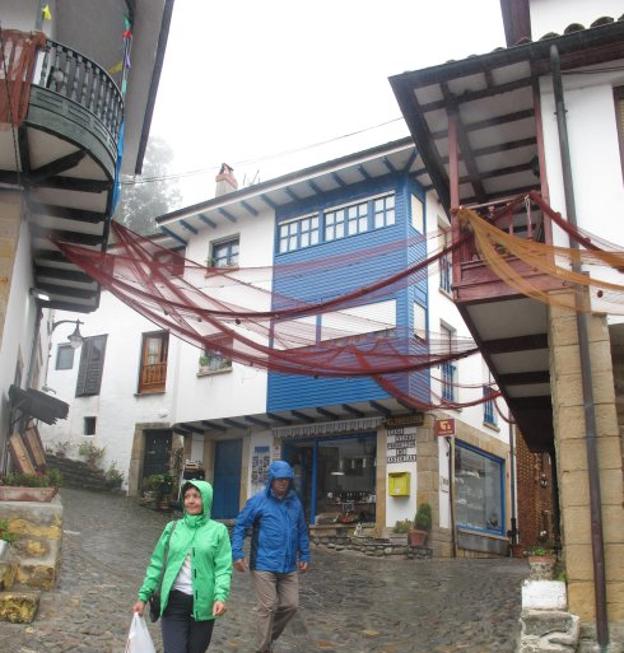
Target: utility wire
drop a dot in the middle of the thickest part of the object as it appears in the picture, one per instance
(201, 171)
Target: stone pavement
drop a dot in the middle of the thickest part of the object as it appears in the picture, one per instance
(350, 603)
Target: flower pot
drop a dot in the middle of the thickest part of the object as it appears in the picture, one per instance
(19, 493)
(542, 567)
(417, 538)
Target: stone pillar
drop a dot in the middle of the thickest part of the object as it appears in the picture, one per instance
(572, 469)
(381, 481)
(10, 219)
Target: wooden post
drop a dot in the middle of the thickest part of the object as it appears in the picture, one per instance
(453, 153)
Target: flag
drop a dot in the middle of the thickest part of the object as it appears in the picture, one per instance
(46, 13)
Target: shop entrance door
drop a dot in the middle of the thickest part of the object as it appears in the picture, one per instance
(227, 476)
(300, 456)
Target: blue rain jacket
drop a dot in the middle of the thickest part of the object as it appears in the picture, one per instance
(280, 533)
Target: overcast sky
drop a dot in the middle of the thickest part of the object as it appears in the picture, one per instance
(244, 80)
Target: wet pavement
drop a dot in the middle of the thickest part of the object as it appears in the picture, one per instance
(349, 603)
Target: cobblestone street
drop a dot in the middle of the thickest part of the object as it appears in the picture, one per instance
(350, 603)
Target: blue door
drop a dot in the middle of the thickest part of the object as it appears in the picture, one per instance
(227, 476)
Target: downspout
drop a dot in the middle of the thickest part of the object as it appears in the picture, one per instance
(597, 541)
(513, 533)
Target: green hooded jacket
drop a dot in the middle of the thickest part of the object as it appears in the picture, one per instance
(208, 543)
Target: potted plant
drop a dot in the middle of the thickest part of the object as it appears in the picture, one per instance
(400, 532)
(542, 561)
(6, 537)
(417, 535)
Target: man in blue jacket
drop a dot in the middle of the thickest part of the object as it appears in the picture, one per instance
(279, 547)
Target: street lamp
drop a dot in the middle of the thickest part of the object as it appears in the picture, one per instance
(75, 338)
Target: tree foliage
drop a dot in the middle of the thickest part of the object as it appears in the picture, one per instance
(144, 200)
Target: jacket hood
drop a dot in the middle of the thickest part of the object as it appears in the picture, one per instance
(280, 469)
(205, 489)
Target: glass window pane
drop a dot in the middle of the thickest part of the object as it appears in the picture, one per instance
(330, 218)
(305, 225)
(292, 242)
(379, 204)
(283, 230)
(340, 230)
(390, 202)
(314, 237)
(283, 245)
(305, 239)
(379, 220)
(315, 223)
(390, 217)
(363, 224)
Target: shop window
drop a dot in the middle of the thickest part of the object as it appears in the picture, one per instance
(89, 425)
(64, 357)
(224, 254)
(479, 479)
(153, 373)
(91, 366)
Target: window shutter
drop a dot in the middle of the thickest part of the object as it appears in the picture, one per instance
(91, 366)
(619, 117)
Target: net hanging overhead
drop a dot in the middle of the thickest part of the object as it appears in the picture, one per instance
(237, 313)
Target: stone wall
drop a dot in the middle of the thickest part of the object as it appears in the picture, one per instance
(371, 546)
(572, 468)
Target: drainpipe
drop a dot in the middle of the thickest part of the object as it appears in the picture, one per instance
(513, 533)
(600, 593)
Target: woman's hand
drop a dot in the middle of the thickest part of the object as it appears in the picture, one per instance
(138, 607)
(218, 608)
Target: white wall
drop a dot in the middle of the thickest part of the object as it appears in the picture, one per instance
(243, 390)
(556, 15)
(400, 508)
(471, 370)
(117, 407)
(19, 321)
(22, 15)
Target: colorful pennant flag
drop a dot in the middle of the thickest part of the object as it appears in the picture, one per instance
(46, 13)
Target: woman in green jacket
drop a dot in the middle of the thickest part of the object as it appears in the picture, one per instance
(197, 574)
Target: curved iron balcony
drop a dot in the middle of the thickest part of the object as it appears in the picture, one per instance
(69, 85)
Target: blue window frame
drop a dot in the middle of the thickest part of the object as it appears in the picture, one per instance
(489, 410)
(300, 233)
(448, 381)
(225, 253)
(383, 209)
(480, 494)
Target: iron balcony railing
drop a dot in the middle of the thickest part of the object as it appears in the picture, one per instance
(69, 73)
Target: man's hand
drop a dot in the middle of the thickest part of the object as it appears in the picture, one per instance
(139, 608)
(218, 608)
(240, 565)
(303, 566)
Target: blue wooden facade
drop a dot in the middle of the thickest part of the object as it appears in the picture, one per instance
(287, 391)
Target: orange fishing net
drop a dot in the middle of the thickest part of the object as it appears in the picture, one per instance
(18, 51)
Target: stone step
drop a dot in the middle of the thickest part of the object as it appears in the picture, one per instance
(19, 606)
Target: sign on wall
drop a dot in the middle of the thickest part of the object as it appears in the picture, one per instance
(444, 427)
(260, 461)
(400, 445)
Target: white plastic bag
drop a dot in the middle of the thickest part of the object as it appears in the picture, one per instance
(139, 639)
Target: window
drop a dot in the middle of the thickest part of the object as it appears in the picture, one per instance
(418, 215)
(225, 254)
(346, 221)
(299, 233)
(619, 118)
(420, 322)
(214, 361)
(489, 409)
(153, 374)
(91, 366)
(64, 357)
(89, 425)
(449, 370)
(479, 482)
(445, 261)
(383, 209)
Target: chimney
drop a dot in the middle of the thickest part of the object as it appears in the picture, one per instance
(226, 181)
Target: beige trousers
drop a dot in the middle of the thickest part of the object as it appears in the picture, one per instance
(278, 599)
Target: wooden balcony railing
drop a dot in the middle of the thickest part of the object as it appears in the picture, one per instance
(153, 377)
(69, 73)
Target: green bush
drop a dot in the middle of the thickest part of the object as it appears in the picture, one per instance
(402, 527)
(114, 477)
(53, 478)
(92, 454)
(5, 534)
(423, 519)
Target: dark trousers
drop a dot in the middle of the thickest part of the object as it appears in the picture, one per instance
(180, 632)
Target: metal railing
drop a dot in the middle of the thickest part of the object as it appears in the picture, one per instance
(69, 73)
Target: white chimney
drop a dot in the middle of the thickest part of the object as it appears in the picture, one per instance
(226, 181)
